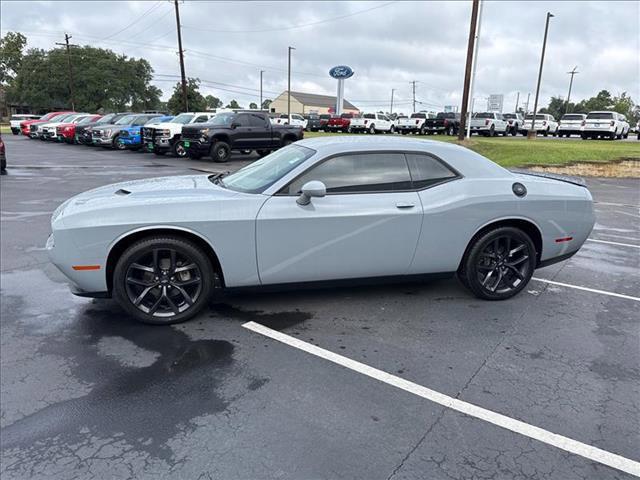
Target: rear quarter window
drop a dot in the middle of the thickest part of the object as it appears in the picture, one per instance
(427, 170)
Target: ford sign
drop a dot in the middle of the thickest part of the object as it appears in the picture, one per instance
(341, 72)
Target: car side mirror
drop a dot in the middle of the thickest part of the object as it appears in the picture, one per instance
(314, 188)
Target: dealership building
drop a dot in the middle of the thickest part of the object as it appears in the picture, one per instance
(305, 103)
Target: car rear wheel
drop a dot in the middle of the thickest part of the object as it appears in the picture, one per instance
(163, 280)
(372, 129)
(263, 153)
(220, 152)
(499, 264)
(450, 130)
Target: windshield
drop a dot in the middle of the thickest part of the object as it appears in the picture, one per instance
(62, 118)
(85, 120)
(126, 120)
(483, 115)
(222, 119)
(418, 115)
(108, 118)
(183, 118)
(346, 115)
(260, 175)
(600, 116)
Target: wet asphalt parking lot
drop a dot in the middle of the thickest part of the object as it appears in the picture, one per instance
(88, 393)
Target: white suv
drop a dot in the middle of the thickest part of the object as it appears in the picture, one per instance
(545, 124)
(296, 120)
(610, 125)
(488, 124)
(571, 124)
(373, 123)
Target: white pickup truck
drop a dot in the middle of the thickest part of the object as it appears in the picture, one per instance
(514, 121)
(610, 125)
(373, 123)
(489, 124)
(165, 137)
(571, 124)
(415, 123)
(15, 120)
(296, 120)
(545, 124)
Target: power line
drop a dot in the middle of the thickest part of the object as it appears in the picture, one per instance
(153, 24)
(156, 5)
(293, 27)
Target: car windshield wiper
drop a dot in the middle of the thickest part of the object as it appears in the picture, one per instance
(216, 178)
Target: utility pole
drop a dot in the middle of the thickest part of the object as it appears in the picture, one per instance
(572, 73)
(261, 72)
(414, 95)
(185, 101)
(66, 44)
(517, 102)
(474, 65)
(289, 86)
(467, 73)
(391, 109)
(532, 133)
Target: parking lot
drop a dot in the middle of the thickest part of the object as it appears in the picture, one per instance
(343, 383)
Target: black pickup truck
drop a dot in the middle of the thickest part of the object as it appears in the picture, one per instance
(445, 122)
(237, 131)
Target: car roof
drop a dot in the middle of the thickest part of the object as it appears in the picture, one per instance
(467, 162)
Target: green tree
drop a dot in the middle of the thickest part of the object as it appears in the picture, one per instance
(253, 106)
(102, 80)
(213, 102)
(266, 104)
(233, 104)
(11, 54)
(195, 99)
(557, 107)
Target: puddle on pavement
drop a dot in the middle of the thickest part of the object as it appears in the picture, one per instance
(275, 320)
(622, 169)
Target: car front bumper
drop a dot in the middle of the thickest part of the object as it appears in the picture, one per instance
(196, 147)
(102, 141)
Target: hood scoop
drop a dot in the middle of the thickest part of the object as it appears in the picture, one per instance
(123, 192)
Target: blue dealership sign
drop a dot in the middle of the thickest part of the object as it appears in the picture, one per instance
(341, 72)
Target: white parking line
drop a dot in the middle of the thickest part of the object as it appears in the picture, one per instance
(564, 443)
(592, 290)
(627, 214)
(613, 243)
(617, 204)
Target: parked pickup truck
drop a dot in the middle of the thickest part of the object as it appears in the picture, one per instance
(515, 122)
(107, 135)
(237, 131)
(48, 131)
(571, 124)
(296, 120)
(445, 122)
(340, 123)
(14, 121)
(65, 132)
(605, 124)
(372, 123)
(317, 122)
(130, 137)
(30, 127)
(545, 124)
(488, 124)
(165, 137)
(83, 131)
(414, 123)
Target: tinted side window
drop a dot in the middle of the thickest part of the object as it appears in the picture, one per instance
(257, 121)
(375, 172)
(201, 119)
(242, 120)
(426, 170)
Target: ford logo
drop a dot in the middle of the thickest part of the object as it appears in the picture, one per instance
(341, 72)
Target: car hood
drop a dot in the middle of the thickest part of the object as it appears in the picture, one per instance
(167, 125)
(111, 126)
(119, 197)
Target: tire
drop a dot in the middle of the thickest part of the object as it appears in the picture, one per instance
(612, 136)
(583, 136)
(492, 131)
(545, 133)
(117, 145)
(145, 273)
(512, 271)
(422, 130)
(450, 131)
(372, 130)
(178, 149)
(287, 141)
(263, 153)
(220, 152)
(392, 130)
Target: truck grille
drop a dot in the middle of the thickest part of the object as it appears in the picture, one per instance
(191, 134)
(147, 133)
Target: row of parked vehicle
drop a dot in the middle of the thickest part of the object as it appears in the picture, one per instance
(193, 134)
(599, 124)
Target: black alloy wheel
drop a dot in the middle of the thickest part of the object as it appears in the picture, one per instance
(499, 264)
(163, 280)
(220, 152)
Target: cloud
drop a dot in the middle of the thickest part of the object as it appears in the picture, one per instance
(388, 47)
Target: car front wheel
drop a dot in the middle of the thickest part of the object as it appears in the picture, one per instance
(499, 264)
(163, 280)
(179, 150)
(220, 152)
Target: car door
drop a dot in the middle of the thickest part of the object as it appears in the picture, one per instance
(367, 225)
(243, 133)
(261, 130)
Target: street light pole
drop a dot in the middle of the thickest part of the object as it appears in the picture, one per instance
(572, 73)
(289, 87)
(532, 133)
(467, 73)
(391, 109)
(261, 72)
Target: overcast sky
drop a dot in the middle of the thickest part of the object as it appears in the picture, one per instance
(388, 44)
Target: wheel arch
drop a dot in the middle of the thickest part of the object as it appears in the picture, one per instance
(221, 137)
(127, 239)
(526, 225)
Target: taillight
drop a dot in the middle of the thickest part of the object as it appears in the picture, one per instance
(486, 122)
(583, 123)
(613, 123)
(417, 121)
(446, 122)
(544, 123)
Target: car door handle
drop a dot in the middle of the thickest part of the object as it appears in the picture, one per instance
(404, 205)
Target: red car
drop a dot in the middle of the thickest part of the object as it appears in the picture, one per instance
(341, 123)
(25, 127)
(66, 132)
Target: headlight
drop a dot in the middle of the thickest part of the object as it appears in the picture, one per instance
(164, 133)
(203, 131)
